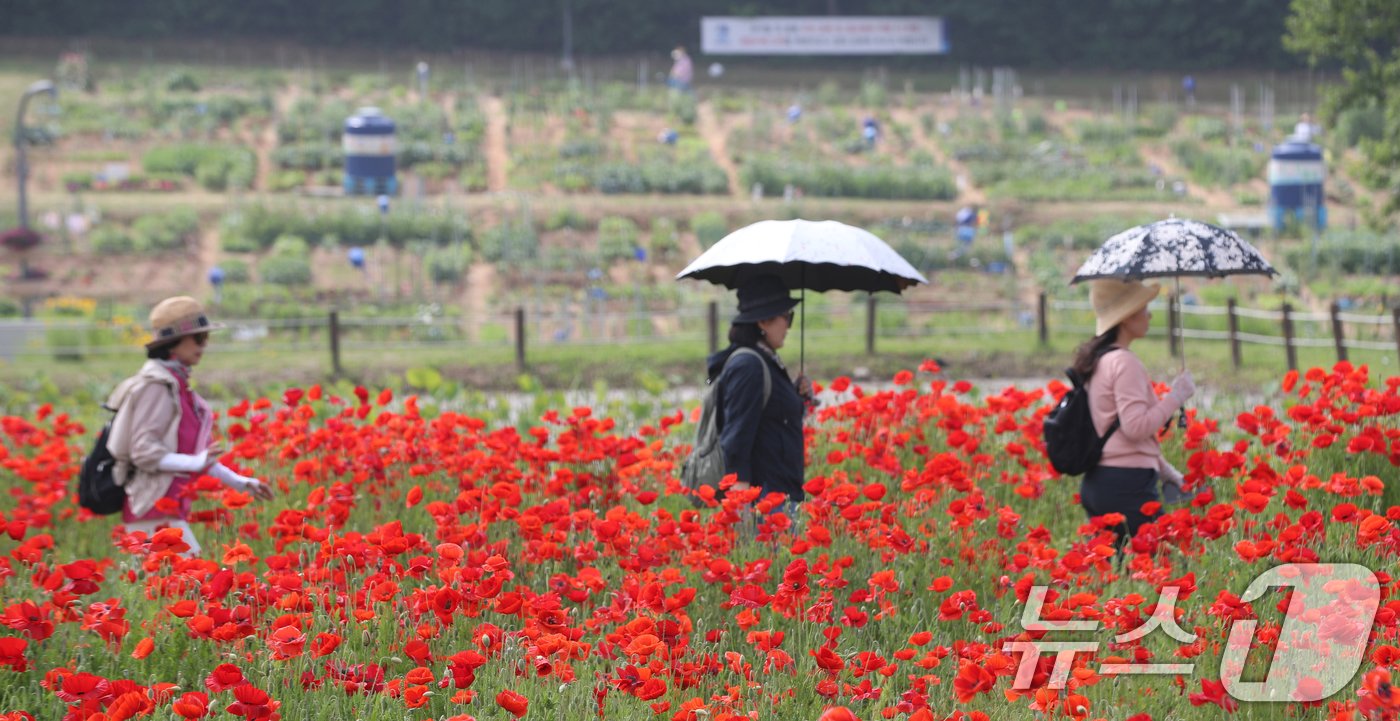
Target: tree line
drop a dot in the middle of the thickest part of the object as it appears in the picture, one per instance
(1141, 34)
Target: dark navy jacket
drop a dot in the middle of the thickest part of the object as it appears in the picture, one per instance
(761, 444)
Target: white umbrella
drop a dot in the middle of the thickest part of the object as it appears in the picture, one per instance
(820, 255)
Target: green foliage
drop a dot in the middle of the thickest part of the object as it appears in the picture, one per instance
(313, 155)
(447, 265)
(1219, 166)
(165, 231)
(1358, 35)
(709, 227)
(256, 227)
(512, 241)
(888, 181)
(617, 239)
(287, 180)
(285, 270)
(235, 270)
(1359, 123)
(665, 240)
(182, 81)
(111, 239)
(567, 217)
(1349, 252)
(214, 167)
(1207, 128)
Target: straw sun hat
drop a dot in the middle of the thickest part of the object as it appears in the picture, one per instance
(1115, 300)
(175, 318)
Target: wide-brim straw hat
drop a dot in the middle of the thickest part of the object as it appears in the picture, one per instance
(175, 318)
(1115, 300)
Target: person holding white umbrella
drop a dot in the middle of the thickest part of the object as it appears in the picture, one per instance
(1125, 408)
(761, 407)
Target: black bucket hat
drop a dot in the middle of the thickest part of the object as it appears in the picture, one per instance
(763, 297)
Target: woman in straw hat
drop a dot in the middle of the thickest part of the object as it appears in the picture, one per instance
(1119, 388)
(762, 440)
(161, 434)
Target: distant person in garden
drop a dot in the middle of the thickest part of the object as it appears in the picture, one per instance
(161, 436)
(682, 70)
(870, 130)
(1305, 131)
(1188, 88)
(762, 440)
(1119, 388)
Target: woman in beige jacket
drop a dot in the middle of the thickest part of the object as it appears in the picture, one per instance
(161, 434)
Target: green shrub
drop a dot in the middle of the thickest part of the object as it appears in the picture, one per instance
(110, 239)
(256, 227)
(1358, 124)
(285, 270)
(165, 231)
(709, 227)
(291, 246)
(447, 265)
(510, 242)
(566, 218)
(182, 81)
(1206, 128)
(617, 239)
(235, 270)
(1219, 166)
(315, 155)
(214, 167)
(1349, 252)
(287, 180)
(665, 241)
(917, 182)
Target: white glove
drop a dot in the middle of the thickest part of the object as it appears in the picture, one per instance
(1183, 387)
(244, 484)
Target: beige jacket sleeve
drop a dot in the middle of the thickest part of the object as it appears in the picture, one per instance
(151, 418)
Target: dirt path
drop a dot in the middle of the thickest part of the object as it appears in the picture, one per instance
(1214, 198)
(475, 299)
(497, 152)
(967, 191)
(708, 125)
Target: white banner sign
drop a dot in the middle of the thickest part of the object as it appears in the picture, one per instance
(822, 35)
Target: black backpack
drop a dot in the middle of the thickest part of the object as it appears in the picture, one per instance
(97, 485)
(1071, 442)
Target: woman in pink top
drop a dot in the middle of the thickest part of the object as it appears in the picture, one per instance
(161, 434)
(1119, 388)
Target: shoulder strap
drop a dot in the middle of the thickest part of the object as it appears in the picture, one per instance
(767, 375)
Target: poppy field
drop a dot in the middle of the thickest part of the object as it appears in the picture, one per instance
(424, 565)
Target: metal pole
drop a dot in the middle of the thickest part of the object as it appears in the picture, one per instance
(21, 158)
(870, 304)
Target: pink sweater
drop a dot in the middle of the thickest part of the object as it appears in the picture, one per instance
(1120, 387)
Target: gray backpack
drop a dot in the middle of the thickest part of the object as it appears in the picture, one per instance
(705, 466)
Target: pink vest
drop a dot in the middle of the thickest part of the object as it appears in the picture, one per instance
(193, 412)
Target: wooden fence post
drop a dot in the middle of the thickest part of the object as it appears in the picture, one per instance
(1395, 323)
(334, 329)
(1041, 319)
(870, 325)
(1172, 342)
(1288, 337)
(520, 337)
(714, 326)
(1234, 320)
(1338, 333)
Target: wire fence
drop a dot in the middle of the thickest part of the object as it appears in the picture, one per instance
(872, 318)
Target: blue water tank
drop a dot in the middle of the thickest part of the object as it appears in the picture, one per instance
(370, 147)
(1297, 173)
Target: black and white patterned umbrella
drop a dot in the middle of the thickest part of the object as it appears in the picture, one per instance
(1174, 248)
